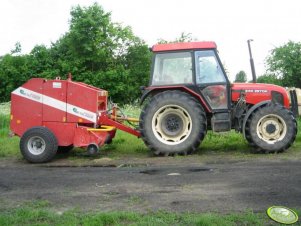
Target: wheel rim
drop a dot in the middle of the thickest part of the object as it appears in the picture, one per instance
(36, 145)
(271, 128)
(171, 124)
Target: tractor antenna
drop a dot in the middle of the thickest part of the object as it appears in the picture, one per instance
(252, 61)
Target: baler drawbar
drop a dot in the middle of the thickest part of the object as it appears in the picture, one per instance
(57, 115)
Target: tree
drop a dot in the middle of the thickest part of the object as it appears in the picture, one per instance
(269, 79)
(241, 77)
(138, 63)
(284, 63)
(102, 53)
(42, 64)
(184, 37)
(17, 50)
(14, 71)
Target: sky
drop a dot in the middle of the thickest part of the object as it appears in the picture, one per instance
(229, 23)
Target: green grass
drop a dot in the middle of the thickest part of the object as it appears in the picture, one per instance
(229, 141)
(131, 110)
(43, 213)
(4, 124)
(9, 146)
(4, 108)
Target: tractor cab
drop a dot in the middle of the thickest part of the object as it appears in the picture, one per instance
(193, 65)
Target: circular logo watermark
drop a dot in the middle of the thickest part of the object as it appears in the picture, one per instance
(282, 215)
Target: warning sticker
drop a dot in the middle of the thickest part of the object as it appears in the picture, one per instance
(57, 85)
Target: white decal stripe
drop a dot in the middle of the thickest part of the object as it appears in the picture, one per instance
(80, 112)
(54, 103)
(26, 93)
(60, 105)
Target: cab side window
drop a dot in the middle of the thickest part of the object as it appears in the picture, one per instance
(172, 69)
(211, 79)
(208, 68)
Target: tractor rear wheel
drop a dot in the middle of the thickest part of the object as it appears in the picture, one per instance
(272, 128)
(38, 144)
(173, 122)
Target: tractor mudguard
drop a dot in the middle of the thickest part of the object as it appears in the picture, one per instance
(145, 94)
(250, 111)
(156, 90)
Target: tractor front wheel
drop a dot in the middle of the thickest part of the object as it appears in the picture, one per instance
(272, 128)
(173, 122)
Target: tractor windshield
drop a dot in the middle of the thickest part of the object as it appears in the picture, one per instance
(172, 68)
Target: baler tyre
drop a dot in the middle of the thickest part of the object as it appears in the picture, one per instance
(38, 145)
(92, 149)
(273, 128)
(173, 122)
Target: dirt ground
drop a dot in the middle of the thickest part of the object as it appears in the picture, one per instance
(151, 184)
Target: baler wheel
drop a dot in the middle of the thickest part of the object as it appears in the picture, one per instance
(38, 144)
(173, 122)
(272, 128)
(92, 149)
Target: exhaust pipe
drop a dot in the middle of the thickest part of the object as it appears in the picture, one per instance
(252, 61)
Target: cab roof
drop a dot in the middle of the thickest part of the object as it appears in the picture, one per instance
(183, 46)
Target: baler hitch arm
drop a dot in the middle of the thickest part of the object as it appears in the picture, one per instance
(117, 120)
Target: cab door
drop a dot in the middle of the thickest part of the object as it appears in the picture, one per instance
(211, 80)
(214, 86)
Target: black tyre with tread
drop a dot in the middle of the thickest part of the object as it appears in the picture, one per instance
(92, 149)
(38, 145)
(271, 128)
(173, 122)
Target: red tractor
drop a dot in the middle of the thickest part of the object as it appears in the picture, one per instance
(190, 93)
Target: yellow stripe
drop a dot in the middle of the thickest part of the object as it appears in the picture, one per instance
(103, 128)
